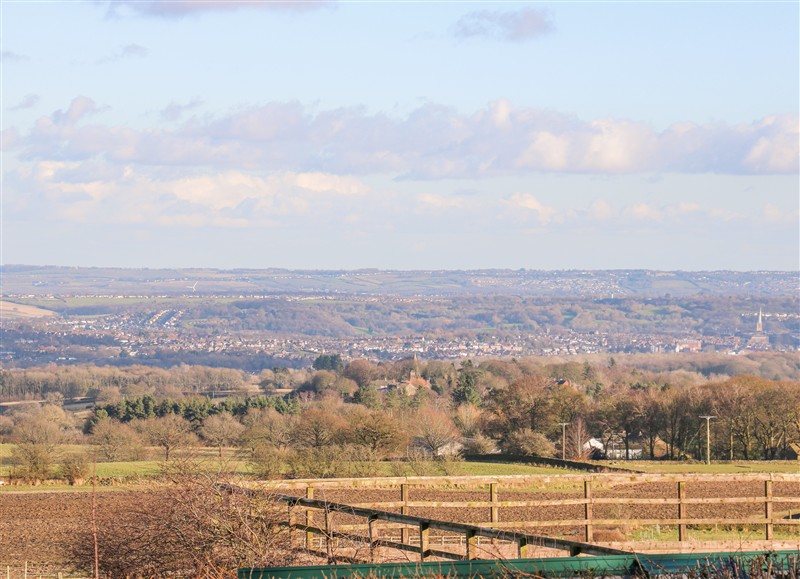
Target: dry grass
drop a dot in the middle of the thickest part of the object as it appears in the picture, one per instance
(10, 310)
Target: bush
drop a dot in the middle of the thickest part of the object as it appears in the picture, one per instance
(479, 444)
(34, 461)
(193, 528)
(323, 462)
(74, 468)
(528, 442)
(267, 462)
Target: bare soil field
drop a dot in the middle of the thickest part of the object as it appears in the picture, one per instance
(40, 527)
(10, 310)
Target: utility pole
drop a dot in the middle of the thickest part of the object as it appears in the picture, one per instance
(563, 440)
(708, 437)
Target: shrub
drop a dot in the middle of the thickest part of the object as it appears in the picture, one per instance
(193, 528)
(74, 468)
(529, 443)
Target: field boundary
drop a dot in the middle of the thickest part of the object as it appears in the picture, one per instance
(763, 514)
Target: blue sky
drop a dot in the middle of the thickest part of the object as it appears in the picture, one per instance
(401, 135)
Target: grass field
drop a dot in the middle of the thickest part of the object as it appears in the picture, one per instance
(664, 467)
(716, 533)
(233, 462)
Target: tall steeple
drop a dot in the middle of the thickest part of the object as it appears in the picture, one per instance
(760, 323)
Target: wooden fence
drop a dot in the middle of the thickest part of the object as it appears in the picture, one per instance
(766, 510)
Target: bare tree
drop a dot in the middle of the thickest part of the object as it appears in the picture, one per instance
(577, 439)
(435, 430)
(36, 451)
(194, 528)
(267, 426)
(374, 430)
(221, 430)
(170, 432)
(317, 428)
(117, 441)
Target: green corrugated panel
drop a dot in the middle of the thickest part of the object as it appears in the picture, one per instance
(731, 564)
(610, 565)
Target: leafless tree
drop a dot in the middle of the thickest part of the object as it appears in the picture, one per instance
(221, 430)
(170, 432)
(577, 439)
(193, 528)
(116, 440)
(435, 430)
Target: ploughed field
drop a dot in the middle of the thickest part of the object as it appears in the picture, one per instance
(41, 527)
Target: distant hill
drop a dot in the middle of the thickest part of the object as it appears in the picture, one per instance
(22, 280)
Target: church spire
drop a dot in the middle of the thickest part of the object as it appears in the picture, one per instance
(760, 323)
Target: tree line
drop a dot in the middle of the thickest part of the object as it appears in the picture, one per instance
(336, 416)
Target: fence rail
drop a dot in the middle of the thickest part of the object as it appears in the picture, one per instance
(587, 485)
(423, 525)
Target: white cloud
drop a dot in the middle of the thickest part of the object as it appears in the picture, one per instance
(617, 146)
(174, 111)
(544, 214)
(78, 108)
(28, 102)
(181, 8)
(127, 51)
(721, 214)
(513, 26)
(326, 183)
(10, 56)
(546, 151)
(642, 212)
(600, 210)
(80, 191)
(683, 208)
(439, 202)
(432, 142)
(774, 214)
(778, 149)
(9, 138)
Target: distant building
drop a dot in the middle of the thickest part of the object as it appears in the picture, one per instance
(759, 340)
(689, 346)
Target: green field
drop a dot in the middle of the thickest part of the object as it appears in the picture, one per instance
(665, 467)
(208, 460)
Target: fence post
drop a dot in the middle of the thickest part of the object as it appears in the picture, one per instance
(472, 545)
(587, 509)
(404, 534)
(424, 538)
(681, 511)
(522, 547)
(374, 536)
(292, 524)
(768, 507)
(309, 519)
(494, 514)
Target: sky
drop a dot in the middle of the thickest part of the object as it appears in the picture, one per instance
(401, 135)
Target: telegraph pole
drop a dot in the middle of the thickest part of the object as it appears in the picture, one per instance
(708, 437)
(563, 440)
